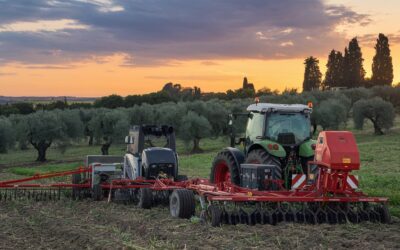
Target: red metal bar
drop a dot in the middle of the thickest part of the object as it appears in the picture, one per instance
(44, 176)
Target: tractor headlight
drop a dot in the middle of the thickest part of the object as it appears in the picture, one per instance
(170, 165)
(153, 166)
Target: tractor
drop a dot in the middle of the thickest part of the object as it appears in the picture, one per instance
(143, 161)
(277, 144)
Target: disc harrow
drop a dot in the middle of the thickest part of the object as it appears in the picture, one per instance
(327, 197)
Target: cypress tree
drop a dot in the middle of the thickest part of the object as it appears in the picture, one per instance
(353, 65)
(312, 74)
(334, 74)
(382, 66)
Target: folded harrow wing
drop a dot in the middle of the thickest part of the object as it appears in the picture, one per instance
(325, 196)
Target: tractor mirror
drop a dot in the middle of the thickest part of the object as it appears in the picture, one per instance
(129, 139)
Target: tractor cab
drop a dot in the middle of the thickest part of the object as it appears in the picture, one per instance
(284, 124)
(146, 160)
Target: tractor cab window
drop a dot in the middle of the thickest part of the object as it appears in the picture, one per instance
(255, 125)
(295, 124)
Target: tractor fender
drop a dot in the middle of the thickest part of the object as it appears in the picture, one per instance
(306, 149)
(236, 154)
(280, 152)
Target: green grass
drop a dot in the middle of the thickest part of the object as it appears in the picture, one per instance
(47, 168)
(379, 174)
(77, 153)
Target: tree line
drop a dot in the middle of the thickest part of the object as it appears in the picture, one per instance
(192, 120)
(169, 93)
(346, 70)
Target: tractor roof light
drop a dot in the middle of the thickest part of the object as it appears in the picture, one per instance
(310, 105)
(256, 100)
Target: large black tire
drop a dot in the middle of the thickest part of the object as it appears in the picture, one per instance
(76, 179)
(182, 204)
(223, 162)
(215, 215)
(97, 192)
(260, 156)
(145, 198)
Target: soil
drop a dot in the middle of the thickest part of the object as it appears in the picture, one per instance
(68, 224)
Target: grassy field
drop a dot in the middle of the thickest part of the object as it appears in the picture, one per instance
(102, 225)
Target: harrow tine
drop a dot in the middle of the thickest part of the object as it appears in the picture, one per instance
(353, 216)
(373, 215)
(279, 213)
(255, 217)
(290, 214)
(224, 216)
(363, 212)
(234, 218)
(310, 215)
(301, 215)
(269, 217)
(243, 217)
(321, 215)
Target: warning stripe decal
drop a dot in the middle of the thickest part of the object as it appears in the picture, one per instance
(298, 181)
(352, 181)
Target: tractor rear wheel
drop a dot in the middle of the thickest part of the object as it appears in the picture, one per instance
(182, 203)
(260, 156)
(224, 169)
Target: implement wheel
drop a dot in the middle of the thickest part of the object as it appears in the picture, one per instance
(76, 179)
(182, 204)
(145, 198)
(384, 214)
(224, 169)
(215, 215)
(97, 192)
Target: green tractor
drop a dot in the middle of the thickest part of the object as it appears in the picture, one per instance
(276, 145)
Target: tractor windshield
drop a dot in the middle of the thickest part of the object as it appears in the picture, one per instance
(279, 124)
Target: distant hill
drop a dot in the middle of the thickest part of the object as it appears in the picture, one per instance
(13, 99)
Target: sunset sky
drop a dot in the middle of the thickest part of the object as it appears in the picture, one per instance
(101, 47)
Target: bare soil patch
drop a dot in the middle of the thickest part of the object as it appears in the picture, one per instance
(67, 224)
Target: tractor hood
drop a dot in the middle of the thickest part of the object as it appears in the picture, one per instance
(158, 155)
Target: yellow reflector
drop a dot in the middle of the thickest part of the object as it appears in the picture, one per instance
(311, 176)
(346, 160)
(249, 193)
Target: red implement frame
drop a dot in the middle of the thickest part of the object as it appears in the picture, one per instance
(212, 192)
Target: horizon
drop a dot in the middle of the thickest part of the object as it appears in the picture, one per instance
(96, 48)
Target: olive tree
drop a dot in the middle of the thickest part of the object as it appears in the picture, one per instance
(193, 128)
(330, 114)
(42, 129)
(143, 114)
(109, 126)
(7, 134)
(355, 94)
(379, 112)
(85, 116)
(170, 114)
